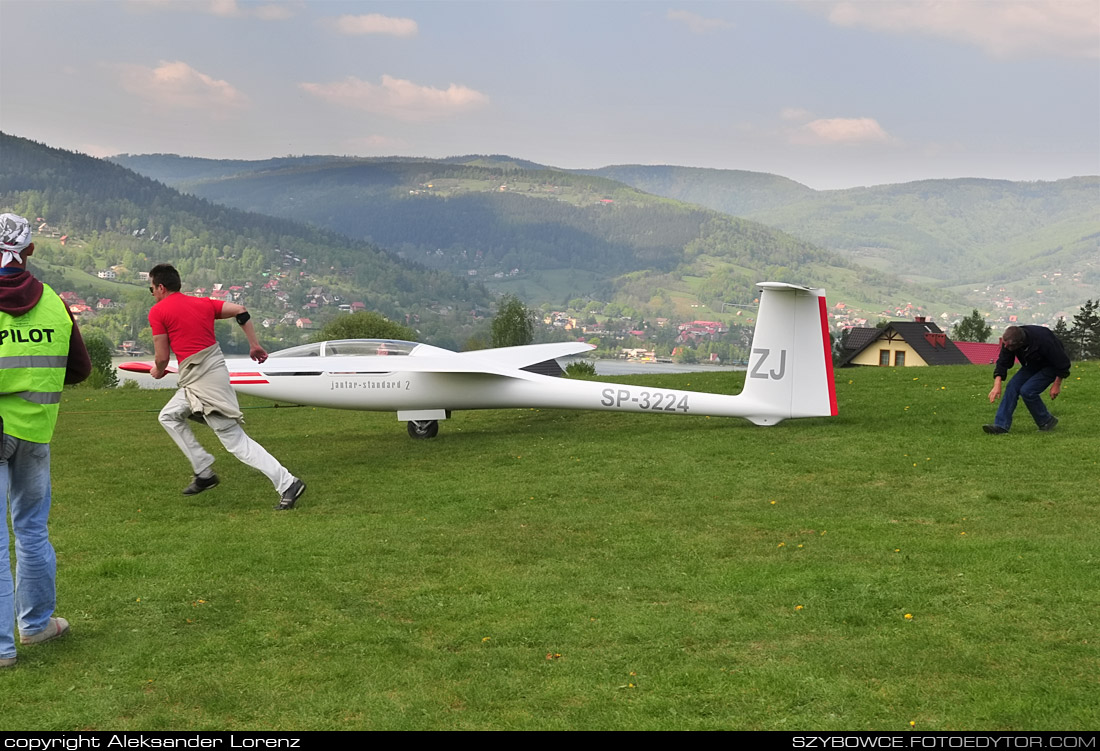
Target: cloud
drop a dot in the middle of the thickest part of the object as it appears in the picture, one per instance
(272, 11)
(375, 23)
(696, 23)
(794, 113)
(179, 86)
(841, 130)
(1004, 29)
(398, 98)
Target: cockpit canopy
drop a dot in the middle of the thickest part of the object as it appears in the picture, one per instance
(350, 348)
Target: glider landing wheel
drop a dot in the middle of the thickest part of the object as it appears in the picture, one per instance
(423, 428)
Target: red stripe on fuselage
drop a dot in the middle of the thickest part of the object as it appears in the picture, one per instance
(828, 354)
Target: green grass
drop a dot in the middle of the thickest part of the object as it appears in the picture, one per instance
(548, 569)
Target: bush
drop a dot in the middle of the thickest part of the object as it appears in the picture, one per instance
(514, 324)
(580, 369)
(364, 325)
(103, 375)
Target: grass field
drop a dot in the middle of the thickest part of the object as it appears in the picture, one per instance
(890, 568)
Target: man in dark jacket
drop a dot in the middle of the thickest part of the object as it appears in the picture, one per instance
(1043, 361)
(40, 351)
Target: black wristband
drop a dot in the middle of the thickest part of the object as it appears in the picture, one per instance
(242, 318)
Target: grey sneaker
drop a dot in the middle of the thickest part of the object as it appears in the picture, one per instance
(1050, 425)
(7, 662)
(200, 484)
(56, 628)
(291, 495)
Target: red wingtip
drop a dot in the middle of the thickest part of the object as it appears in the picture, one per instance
(136, 367)
(142, 367)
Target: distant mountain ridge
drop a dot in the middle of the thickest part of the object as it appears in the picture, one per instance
(958, 233)
(116, 218)
(735, 192)
(563, 234)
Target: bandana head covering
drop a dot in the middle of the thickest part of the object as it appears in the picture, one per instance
(15, 236)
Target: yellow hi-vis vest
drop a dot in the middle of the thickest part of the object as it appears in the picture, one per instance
(34, 349)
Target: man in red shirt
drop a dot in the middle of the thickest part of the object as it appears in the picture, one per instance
(185, 325)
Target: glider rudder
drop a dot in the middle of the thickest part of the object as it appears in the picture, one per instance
(790, 368)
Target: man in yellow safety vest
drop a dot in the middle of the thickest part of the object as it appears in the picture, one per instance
(40, 351)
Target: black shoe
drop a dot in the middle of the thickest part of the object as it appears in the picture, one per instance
(291, 495)
(200, 484)
(994, 429)
(1050, 425)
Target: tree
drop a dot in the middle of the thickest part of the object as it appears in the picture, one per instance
(363, 325)
(1085, 333)
(973, 328)
(513, 324)
(103, 375)
(1062, 332)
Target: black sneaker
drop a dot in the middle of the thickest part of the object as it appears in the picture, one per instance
(1050, 425)
(291, 495)
(200, 484)
(994, 429)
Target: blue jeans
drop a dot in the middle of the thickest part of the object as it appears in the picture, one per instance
(1028, 384)
(25, 480)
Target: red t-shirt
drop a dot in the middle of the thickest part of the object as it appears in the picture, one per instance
(188, 322)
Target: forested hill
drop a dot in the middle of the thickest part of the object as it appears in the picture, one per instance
(546, 234)
(1017, 237)
(111, 218)
(735, 192)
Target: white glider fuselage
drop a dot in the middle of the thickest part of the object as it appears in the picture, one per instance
(789, 374)
(362, 383)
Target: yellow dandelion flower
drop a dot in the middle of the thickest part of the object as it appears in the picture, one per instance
(772, 502)
(912, 724)
(908, 616)
(797, 607)
(781, 545)
(485, 639)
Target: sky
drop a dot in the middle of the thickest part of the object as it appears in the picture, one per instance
(833, 94)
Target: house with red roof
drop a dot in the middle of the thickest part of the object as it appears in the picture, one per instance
(901, 344)
(980, 353)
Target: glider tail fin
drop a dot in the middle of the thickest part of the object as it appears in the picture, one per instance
(790, 366)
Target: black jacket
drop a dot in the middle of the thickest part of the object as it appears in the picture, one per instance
(1042, 349)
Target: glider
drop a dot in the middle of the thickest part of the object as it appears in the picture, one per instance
(790, 374)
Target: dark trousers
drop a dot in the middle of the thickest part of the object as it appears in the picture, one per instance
(1028, 384)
